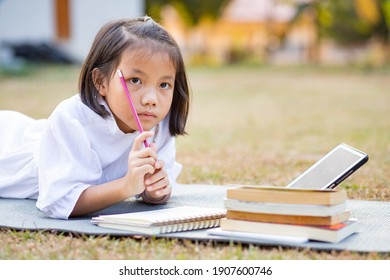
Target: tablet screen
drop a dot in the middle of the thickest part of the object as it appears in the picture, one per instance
(330, 170)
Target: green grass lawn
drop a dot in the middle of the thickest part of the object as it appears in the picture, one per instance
(248, 125)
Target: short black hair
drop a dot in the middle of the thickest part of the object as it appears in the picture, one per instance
(111, 41)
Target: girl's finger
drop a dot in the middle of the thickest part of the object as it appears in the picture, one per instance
(159, 175)
(162, 183)
(153, 146)
(163, 191)
(141, 161)
(144, 153)
(144, 169)
(138, 141)
(159, 164)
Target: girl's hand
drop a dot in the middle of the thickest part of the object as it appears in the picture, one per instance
(157, 184)
(141, 162)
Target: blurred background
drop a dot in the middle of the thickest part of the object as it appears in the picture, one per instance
(326, 32)
(276, 83)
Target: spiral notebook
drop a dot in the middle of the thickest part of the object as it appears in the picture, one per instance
(182, 218)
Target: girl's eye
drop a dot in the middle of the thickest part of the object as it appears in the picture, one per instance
(135, 81)
(165, 86)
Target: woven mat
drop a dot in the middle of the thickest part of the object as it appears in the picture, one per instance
(374, 218)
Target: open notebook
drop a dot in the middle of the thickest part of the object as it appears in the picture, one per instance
(182, 218)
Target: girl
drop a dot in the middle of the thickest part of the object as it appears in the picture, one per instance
(88, 154)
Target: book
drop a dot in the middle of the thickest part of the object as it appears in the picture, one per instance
(289, 219)
(285, 208)
(182, 218)
(333, 234)
(286, 195)
(249, 236)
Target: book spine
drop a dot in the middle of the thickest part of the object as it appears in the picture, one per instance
(288, 196)
(284, 209)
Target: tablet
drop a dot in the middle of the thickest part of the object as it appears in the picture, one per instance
(331, 169)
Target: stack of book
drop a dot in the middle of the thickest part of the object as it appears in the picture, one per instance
(320, 215)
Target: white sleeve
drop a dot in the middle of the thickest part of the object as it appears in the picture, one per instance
(166, 145)
(67, 166)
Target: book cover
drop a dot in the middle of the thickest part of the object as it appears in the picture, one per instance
(333, 234)
(289, 219)
(249, 236)
(182, 218)
(287, 195)
(284, 208)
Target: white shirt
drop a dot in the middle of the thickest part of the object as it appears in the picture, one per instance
(72, 150)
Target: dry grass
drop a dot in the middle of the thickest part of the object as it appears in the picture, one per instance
(266, 126)
(248, 125)
(48, 246)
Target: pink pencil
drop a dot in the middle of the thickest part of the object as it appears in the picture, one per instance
(140, 129)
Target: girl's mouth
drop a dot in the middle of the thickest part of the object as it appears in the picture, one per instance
(147, 115)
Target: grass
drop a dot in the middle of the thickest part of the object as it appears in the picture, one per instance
(255, 125)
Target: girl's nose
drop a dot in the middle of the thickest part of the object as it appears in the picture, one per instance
(149, 98)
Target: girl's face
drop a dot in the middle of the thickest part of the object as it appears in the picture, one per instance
(150, 80)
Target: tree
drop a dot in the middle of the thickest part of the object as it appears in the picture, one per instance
(191, 11)
(348, 22)
(351, 21)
